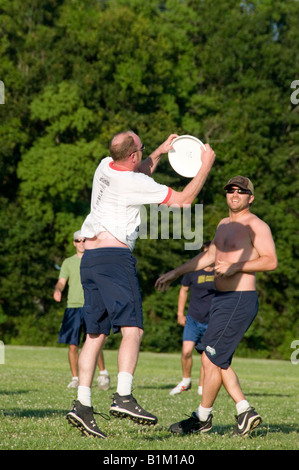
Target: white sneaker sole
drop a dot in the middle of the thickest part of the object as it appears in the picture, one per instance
(123, 413)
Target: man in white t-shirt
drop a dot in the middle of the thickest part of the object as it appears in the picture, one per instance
(122, 184)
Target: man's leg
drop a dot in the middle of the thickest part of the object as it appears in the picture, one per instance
(127, 358)
(232, 384)
(187, 362)
(73, 355)
(201, 420)
(103, 380)
(124, 404)
(82, 415)
(212, 382)
(247, 418)
(211, 386)
(88, 358)
(201, 379)
(73, 359)
(101, 361)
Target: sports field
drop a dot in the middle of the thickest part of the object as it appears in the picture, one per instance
(34, 401)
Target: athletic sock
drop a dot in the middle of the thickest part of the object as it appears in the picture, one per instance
(124, 383)
(199, 390)
(242, 406)
(84, 395)
(186, 381)
(104, 372)
(203, 413)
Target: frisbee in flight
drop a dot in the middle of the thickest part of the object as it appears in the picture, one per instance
(185, 157)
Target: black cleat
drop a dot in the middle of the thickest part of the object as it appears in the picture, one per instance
(127, 407)
(81, 417)
(246, 422)
(192, 425)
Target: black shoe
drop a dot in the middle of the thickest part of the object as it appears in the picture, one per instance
(246, 422)
(192, 425)
(81, 417)
(127, 407)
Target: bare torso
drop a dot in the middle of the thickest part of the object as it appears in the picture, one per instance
(103, 240)
(234, 242)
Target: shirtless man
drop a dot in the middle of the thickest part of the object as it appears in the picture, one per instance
(242, 246)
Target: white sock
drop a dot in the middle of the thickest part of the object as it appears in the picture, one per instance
(203, 413)
(242, 406)
(84, 395)
(124, 383)
(199, 390)
(75, 378)
(186, 381)
(104, 372)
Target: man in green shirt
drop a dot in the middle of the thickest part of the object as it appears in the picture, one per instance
(73, 320)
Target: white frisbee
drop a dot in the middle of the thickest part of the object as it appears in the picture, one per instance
(185, 157)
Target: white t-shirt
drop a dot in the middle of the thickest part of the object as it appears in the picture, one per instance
(116, 199)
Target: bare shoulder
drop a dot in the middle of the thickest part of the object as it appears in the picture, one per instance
(256, 223)
(224, 221)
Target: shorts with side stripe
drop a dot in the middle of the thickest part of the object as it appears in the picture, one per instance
(231, 315)
(112, 296)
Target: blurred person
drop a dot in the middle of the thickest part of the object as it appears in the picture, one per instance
(242, 246)
(202, 289)
(73, 320)
(122, 184)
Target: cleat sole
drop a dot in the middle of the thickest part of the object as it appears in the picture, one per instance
(136, 419)
(85, 432)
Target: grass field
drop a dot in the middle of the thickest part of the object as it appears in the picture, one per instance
(34, 401)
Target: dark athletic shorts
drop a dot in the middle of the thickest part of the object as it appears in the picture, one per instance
(72, 326)
(231, 315)
(111, 290)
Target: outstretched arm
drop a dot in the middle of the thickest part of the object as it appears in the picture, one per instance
(200, 261)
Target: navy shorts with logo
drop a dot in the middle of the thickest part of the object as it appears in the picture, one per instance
(231, 315)
(112, 296)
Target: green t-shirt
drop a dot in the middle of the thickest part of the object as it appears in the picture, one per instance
(70, 270)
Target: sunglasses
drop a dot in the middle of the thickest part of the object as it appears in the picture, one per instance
(81, 240)
(141, 149)
(239, 191)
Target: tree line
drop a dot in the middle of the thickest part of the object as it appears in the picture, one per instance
(75, 73)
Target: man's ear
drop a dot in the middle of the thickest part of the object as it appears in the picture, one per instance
(133, 157)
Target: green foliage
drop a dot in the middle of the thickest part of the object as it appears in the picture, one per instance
(76, 73)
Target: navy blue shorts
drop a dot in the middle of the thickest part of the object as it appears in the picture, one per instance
(112, 296)
(194, 330)
(72, 326)
(231, 315)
